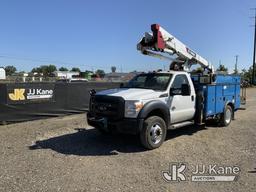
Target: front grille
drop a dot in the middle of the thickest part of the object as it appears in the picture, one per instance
(107, 106)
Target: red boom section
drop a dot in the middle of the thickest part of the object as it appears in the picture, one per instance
(158, 36)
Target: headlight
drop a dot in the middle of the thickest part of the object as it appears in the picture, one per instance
(132, 108)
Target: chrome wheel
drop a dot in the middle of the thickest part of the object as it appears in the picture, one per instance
(228, 116)
(155, 134)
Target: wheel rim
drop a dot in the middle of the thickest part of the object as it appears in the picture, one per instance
(155, 134)
(228, 115)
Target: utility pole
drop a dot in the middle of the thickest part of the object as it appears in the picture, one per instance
(121, 67)
(236, 71)
(254, 50)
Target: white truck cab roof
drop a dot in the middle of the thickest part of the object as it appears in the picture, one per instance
(173, 72)
(141, 93)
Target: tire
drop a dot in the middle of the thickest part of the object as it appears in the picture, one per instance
(226, 117)
(153, 133)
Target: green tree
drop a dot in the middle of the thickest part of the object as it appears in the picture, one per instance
(100, 72)
(63, 69)
(87, 74)
(87, 71)
(222, 68)
(243, 73)
(44, 69)
(247, 75)
(51, 69)
(36, 70)
(75, 69)
(10, 69)
(47, 70)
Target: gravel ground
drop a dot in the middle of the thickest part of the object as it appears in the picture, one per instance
(64, 154)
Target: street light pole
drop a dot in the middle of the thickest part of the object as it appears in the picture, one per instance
(236, 70)
(254, 51)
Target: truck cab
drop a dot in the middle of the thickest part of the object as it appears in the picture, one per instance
(160, 99)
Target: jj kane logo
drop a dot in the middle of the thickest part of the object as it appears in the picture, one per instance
(39, 94)
(176, 172)
(30, 94)
(18, 94)
(200, 173)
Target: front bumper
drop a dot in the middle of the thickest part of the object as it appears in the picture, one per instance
(125, 125)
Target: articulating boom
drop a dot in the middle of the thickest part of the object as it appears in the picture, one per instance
(163, 42)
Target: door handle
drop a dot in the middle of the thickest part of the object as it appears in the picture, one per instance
(192, 98)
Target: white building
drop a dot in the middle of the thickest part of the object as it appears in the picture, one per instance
(2, 73)
(65, 74)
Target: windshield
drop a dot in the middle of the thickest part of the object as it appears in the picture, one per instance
(155, 81)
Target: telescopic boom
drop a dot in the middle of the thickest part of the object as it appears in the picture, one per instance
(161, 42)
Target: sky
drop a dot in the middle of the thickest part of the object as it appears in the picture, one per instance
(98, 34)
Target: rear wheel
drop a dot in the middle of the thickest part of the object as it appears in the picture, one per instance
(153, 132)
(226, 117)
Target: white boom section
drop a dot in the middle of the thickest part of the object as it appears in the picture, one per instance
(163, 42)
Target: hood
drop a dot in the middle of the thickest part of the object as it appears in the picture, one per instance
(132, 93)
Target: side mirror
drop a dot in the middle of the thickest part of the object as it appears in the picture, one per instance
(121, 85)
(185, 89)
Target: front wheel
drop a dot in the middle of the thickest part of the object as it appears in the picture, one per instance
(226, 117)
(153, 132)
